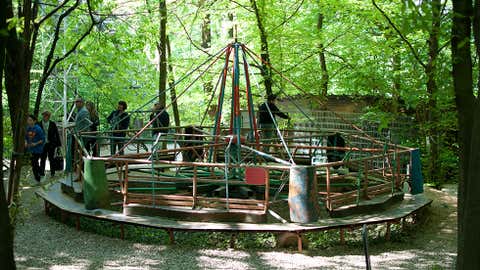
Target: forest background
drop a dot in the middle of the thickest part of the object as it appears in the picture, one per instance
(395, 51)
(105, 51)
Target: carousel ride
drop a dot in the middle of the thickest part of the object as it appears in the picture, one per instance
(231, 176)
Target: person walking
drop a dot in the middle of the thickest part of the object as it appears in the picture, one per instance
(91, 143)
(119, 121)
(52, 141)
(34, 141)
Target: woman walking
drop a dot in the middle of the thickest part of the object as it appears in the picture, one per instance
(34, 141)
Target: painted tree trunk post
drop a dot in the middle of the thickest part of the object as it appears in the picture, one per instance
(302, 194)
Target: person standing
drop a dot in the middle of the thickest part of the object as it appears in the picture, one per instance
(52, 141)
(34, 140)
(265, 120)
(91, 144)
(161, 120)
(82, 119)
(82, 124)
(119, 121)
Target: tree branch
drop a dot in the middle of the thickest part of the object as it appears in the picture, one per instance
(341, 58)
(242, 6)
(415, 54)
(51, 13)
(289, 17)
(443, 46)
(74, 48)
(49, 66)
(189, 37)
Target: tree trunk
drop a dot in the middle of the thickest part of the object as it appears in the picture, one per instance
(171, 83)
(396, 65)
(266, 70)
(17, 85)
(161, 47)
(323, 63)
(48, 65)
(6, 232)
(206, 43)
(469, 141)
(476, 35)
(432, 89)
(206, 32)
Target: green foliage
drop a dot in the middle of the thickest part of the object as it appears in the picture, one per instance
(364, 55)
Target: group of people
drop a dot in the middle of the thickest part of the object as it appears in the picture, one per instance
(41, 141)
(88, 120)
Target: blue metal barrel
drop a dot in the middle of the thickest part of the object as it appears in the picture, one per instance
(302, 195)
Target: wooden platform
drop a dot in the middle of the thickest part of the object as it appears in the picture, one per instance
(53, 196)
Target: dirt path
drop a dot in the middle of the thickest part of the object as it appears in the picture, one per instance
(44, 243)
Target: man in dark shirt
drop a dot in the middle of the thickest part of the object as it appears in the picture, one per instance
(161, 122)
(119, 121)
(52, 141)
(265, 120)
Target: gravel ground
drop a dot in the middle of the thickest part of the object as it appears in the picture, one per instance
(42, 242)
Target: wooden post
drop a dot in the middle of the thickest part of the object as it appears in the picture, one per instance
(365, 181)
(342, 236)
(125, 176)
(63, 216)
(77, 222)
(194, 192)
(171, 236)
(267, 189)
(299, 242)
(233, 238)
(397, 165)
(329, 202)
(122, 231)
(387, 233)
(125, 186)
(46, 205)
(119, 170)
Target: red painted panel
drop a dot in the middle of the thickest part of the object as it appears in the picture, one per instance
(256, 176)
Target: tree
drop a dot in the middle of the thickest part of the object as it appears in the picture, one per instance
(469, 127)
(51, 61)
(6, 232)
(162, 52)
(323, 63)
(20, 50)
(431, 117)
(266, 70)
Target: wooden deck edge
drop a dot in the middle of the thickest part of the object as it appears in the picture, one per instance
(54, 197)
